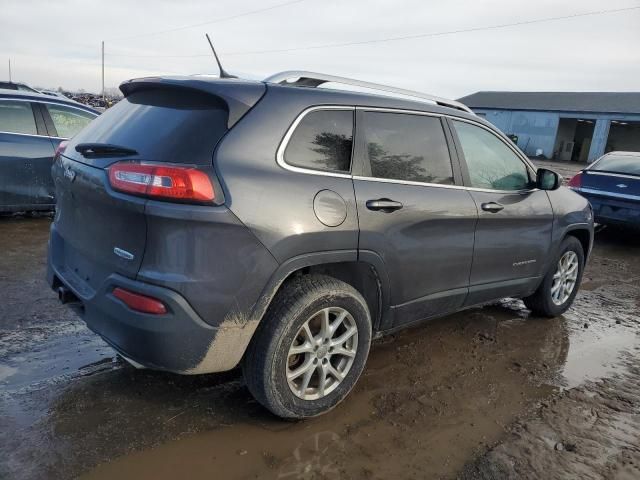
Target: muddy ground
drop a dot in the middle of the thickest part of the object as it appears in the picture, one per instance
(488, 393)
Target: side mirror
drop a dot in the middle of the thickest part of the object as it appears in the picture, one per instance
(548, 179)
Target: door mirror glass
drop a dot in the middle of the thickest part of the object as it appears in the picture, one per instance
(548, 179)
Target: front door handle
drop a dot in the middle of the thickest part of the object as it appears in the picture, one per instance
(383, 205)
(492, 207)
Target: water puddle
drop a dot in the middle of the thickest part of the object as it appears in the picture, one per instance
(593, 355)
(33, 357)
(603, 330)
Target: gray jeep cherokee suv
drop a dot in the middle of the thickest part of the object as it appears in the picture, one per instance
(204, 224)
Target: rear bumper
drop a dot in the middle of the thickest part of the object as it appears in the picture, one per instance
(178, 341)
(609, 210)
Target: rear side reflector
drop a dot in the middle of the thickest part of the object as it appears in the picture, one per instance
(140, 303)
(62, 146)
(157, 181)
(576, 181)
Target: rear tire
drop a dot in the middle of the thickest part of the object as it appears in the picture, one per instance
(552, 298)
(328, 322)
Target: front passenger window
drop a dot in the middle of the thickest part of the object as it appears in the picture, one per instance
(491, 163)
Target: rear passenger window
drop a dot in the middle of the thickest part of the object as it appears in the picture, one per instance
(322, 141)
(68, 121)
(17, 117)
(406, 147)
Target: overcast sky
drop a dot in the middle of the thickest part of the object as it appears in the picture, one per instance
(57, 43)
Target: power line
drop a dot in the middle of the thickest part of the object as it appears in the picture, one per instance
(397, 38)
(436, 34)
(208, 22)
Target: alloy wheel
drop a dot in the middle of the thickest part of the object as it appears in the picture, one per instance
(322, 353)
(565, 278)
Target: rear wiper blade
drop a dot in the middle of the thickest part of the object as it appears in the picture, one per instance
(104, 150)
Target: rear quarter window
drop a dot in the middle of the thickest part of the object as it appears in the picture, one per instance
(162, 125)
(322, 140)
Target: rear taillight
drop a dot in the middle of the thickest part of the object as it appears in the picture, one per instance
(140, 303)
(576, 181)
(157, 181)
(62, 146)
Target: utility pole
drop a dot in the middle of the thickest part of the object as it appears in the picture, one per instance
(103, 70)
(9, 70)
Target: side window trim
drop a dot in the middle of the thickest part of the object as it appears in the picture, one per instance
(48, 121)
(287, 137)
(38, 115)
(463, 163)
(453, 153)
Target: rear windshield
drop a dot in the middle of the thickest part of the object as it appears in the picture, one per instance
(628, 164)
(162, 125)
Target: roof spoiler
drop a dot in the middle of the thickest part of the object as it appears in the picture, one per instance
(239, 95)
(301, 78)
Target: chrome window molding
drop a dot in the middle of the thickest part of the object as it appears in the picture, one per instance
(33, 135)
(285, 141)
(443, 185)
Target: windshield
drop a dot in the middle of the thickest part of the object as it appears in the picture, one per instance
(629, 164)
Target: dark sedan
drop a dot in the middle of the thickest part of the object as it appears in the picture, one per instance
(32, 125)
(612, 186)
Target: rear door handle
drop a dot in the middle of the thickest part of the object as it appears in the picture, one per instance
(383, 205)
(492, 207)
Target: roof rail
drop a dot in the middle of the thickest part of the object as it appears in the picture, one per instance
(301, 78)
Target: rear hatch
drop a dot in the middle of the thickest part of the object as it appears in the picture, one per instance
(101, 230)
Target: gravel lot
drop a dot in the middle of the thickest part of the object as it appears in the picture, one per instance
(487, 393)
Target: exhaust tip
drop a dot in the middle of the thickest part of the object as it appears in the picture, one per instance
(66, 296)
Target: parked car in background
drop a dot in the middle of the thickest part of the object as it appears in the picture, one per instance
(17, 86)
(202, 224)
(612, 186)
(32, 125)
(53, 93)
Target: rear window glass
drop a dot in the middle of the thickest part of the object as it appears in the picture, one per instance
(629, 164)
(322, 141)
(162, 125)
(406, 147)
(17, 117)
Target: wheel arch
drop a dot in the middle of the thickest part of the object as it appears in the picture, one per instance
(364, 272)
(584, 235)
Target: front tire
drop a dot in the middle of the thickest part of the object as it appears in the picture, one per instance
(311, 347)
(560, 285)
